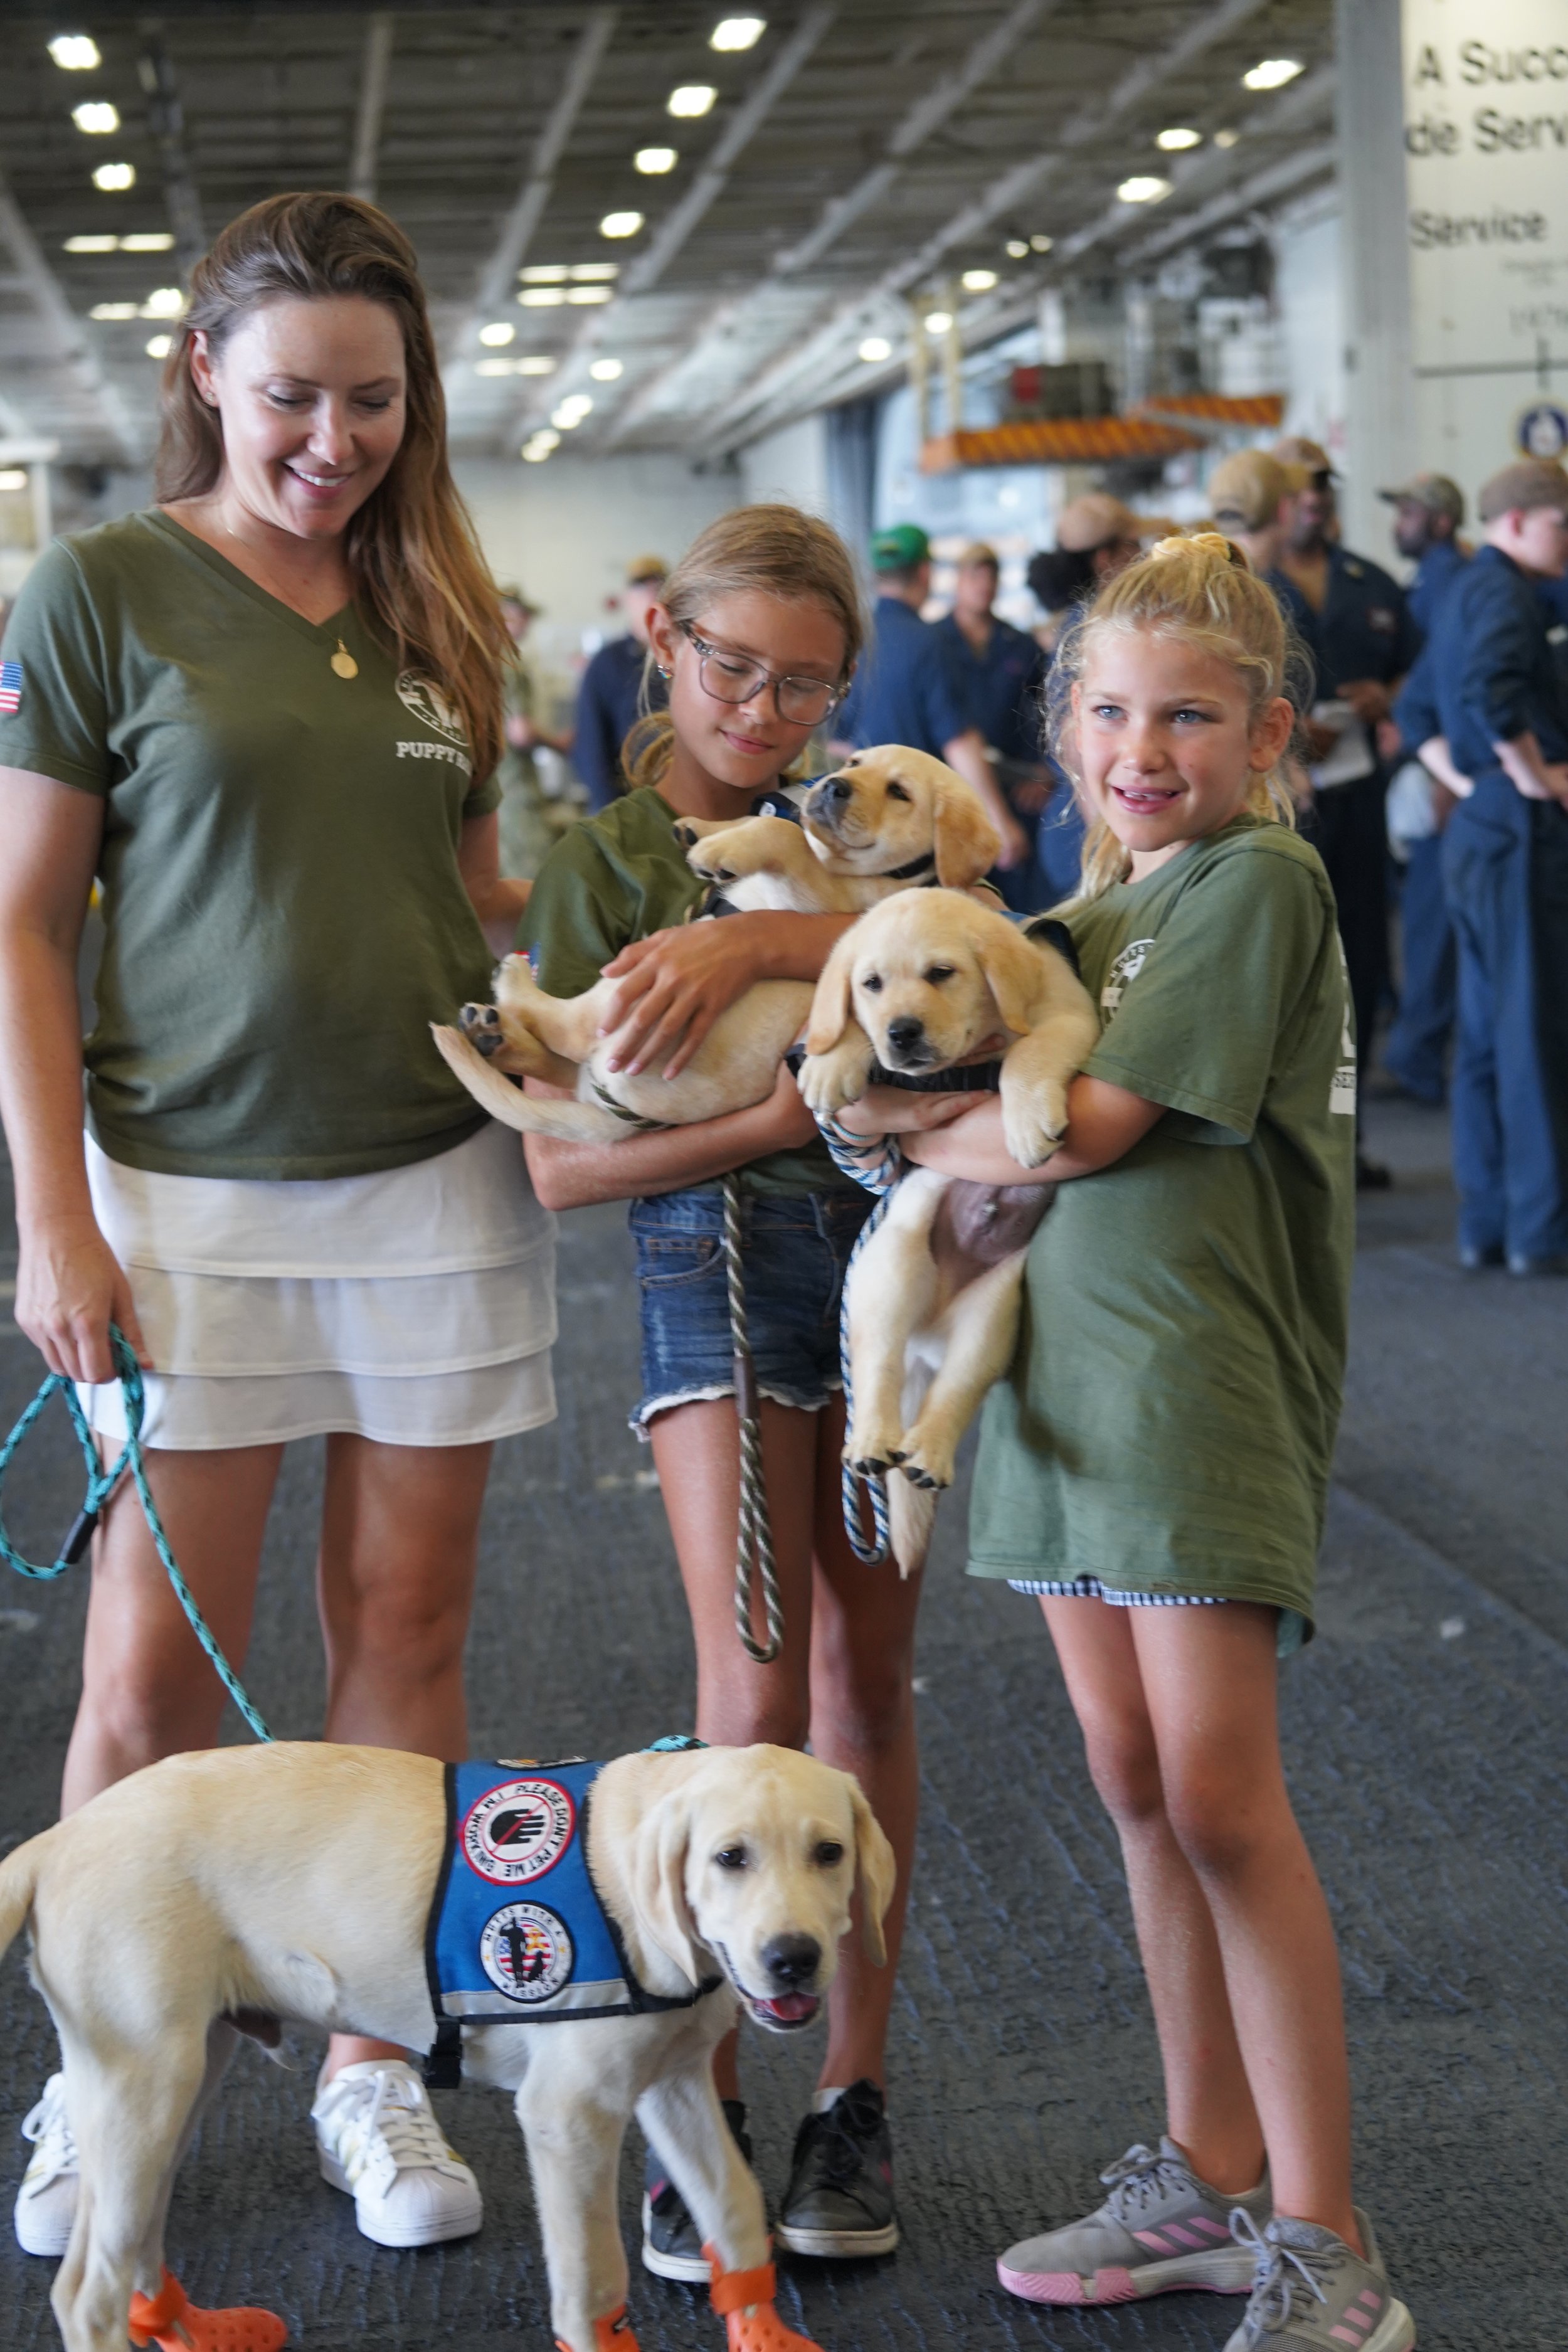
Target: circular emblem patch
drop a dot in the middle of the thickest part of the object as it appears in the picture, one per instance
(1121, 975)
(519, 1830)
(429, 706)
(526, 1952)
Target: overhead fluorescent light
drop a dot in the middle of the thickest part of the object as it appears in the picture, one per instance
(691, 99)
(1143, 188)
(542, 298)
(148, 241)
(1272, 73)
(652, 161)
(13, 477)
(596, 269)
(582, 296)
(875, 349)
(1040, 244)
(737, 32)
(75, 52)
(108, 311)
(1226, 138)
(160, 346)
(937, 322)
(114, 178)
(545, 273)
(1018, 248)
(91, 244)
(624, 224)
(498, 334)
(164, 302)
(1177, 139)
(606, 371)
(978, 281)
(495, 367)
(535, 364)
(96, 116)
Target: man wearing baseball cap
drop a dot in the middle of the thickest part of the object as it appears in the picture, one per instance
(1363, 643)
(1002, 669)
(1428, 512)
(609, 699)
(1505, 864)
(907, 689)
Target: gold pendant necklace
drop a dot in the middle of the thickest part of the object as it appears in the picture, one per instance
(343, 662)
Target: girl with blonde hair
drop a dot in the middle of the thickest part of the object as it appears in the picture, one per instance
(1156, 1467)
(265, 713)
(756, 634)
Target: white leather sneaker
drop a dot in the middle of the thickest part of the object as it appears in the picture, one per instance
(46, 2202)
(380, 2142)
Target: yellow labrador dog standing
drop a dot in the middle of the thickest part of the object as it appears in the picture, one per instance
(295, 1882)
(924, 982)
(887, 819)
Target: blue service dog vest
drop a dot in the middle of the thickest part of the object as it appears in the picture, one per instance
(517, 1932)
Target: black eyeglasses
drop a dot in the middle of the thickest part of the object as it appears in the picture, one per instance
(736, 678)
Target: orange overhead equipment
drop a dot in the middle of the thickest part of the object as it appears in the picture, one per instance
(1256, 412)
(1056, 441)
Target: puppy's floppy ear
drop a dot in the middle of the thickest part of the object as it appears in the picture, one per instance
(1013, 971)
(966, 842)
(876, 1875)
(657, 1882)
(830, 1005)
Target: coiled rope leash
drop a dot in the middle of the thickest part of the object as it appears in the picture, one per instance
(754, 1535)
(100, 1485)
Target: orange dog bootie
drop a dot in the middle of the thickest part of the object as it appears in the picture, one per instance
(171, 2321)
(612, 2335)
(744, 2300)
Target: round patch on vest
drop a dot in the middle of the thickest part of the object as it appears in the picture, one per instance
(519, 1830)
(526, 1952)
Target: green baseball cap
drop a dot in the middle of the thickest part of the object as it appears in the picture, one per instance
(899, 548)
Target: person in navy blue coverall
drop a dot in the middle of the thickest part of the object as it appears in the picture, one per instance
(1428, 512)
(1096, 537)
(1001, 669)
(1362, 643)
(907, 689)
(1505, 862)
(609, 699)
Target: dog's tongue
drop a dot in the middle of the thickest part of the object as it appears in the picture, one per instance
(789, 2005)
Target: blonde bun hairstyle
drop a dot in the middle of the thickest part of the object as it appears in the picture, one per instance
(1200, 589)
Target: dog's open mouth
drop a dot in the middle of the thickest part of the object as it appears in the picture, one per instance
(786, 2011)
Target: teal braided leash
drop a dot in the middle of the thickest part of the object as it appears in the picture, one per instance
(100, 1485)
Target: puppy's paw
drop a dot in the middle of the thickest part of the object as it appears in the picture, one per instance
(829, 1081)
(1033, 1123)
(480, 1024)
(927, 1461)
(871, 1453)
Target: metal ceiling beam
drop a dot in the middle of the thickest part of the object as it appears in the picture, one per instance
(1026, 178)
(374, 71)
(72, 342)
(1263, 188)
(497, 282)
(166, 119)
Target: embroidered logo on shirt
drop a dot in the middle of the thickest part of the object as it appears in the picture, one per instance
(526, 1951)
(519, 1830)
(1121, 975)
(430, 707)
(10, 686)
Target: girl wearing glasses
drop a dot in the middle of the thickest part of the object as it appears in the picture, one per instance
(757, 633)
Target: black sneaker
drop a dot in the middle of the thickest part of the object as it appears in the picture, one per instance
(671, 2241)
(839, 2201)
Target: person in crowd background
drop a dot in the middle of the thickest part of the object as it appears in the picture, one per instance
(908, 690)
(1429, 511)
(1362, 644)
(527, 831)
(1096, 537)
(265, 714)
(757, 632)
(618, 686)
(1505, 866)
(1003, 670)
(1252, 496)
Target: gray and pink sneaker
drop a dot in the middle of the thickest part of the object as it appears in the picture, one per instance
(1161, 2228)
(1310, 2292)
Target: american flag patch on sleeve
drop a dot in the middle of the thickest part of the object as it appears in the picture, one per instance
(10, 686)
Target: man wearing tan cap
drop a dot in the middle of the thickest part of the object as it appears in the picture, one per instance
(609, 699)
(1362, 643)
(1505, 863)
(1251, 495)
(1002, 669)
(1428, 512)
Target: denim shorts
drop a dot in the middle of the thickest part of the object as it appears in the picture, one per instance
(795, 1249)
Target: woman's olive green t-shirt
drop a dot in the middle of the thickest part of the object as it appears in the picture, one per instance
(614, 879)
(1170, 1415)
(284, 916)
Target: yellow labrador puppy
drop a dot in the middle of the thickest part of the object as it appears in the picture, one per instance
(888, 819)
(921, 984)
(296, 1882)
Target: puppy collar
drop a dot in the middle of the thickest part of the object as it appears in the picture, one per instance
(926, 865)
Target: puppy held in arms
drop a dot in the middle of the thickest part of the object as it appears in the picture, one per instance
(889, 819)
(593, 1930)
(924, 984)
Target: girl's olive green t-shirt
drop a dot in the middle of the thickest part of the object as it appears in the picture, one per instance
(1170, 1419)
(284, 914)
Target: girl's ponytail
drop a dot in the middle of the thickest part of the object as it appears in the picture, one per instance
(1202, 591)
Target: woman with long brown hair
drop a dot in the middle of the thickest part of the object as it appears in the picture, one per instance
(265, 714)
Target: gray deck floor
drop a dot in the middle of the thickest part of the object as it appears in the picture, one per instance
(1427, 1742)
